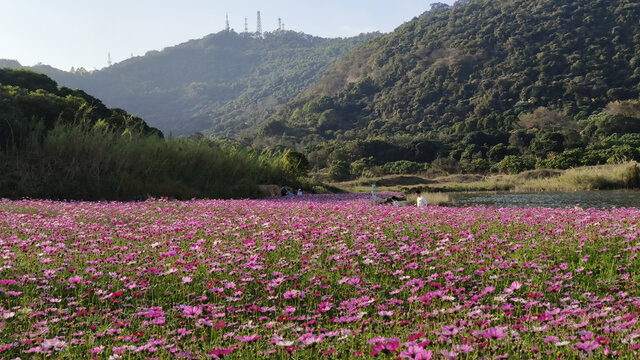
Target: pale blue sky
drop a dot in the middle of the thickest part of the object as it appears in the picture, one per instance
(65, 33)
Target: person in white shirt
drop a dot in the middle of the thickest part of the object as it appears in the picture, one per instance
(299, 191)
(420, 201)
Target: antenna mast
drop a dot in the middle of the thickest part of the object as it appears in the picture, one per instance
(279, 24)
(259, 26)
(227, 28)
(109, 59)
(246, 25)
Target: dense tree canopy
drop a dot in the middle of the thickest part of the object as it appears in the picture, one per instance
(483, 79)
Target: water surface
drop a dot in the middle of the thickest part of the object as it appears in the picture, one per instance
(583, 199)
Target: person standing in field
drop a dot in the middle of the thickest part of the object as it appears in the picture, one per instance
(420, 201)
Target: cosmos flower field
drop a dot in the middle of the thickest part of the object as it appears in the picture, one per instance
(317, 276)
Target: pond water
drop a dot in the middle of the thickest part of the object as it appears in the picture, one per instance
(586, 199)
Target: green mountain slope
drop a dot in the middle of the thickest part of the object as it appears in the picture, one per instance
(456, 71)
(225, 82)
(32, 103)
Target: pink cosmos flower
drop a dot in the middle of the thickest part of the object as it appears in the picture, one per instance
(220, 352)
(97, 349)
(497, 332)
(310, 339)
(449, 355)
(192, 311)
(463, 349)
(449, 330)
(75, 279)
(54, 344)
(293, 294)
(384, 345)
(416, 352)
(248, 338)
(588, 346)
(516, 285)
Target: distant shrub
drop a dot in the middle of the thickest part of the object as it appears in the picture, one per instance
(596, 157)
(402, 167)
(538, 174)
(358, 167)
(478, 166)
(567, 159)
(515, 164)
(623, 154)
(339, 171)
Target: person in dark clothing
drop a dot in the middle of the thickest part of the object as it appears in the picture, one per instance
(283, 191)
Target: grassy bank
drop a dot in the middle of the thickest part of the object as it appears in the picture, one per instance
(588, 178)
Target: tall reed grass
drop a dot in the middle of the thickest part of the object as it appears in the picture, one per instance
(601, 177)
(73, 163)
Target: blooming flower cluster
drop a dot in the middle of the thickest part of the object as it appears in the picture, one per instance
(330, 276)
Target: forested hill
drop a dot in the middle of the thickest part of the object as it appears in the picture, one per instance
(226, 82)
(474, 67)
(32, 104)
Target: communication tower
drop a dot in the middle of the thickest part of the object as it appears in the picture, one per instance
(279, 24)
(227, 28)
(246, 25)
(109, 59)
(259, 26)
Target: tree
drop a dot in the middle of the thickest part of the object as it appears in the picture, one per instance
(545, 119)
(498, 152)
(295, 163)
(339, 171)
(549, 142)
(515, 164)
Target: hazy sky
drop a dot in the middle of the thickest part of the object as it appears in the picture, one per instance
(66, 33)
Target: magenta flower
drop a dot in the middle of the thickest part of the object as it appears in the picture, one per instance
(588, 346)
(416, 352)
(497, 332)
(220, 352)
(192, 311)
(449, 355)
(97, 350)
(54, 344)
(383, 345)
(293, 294)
